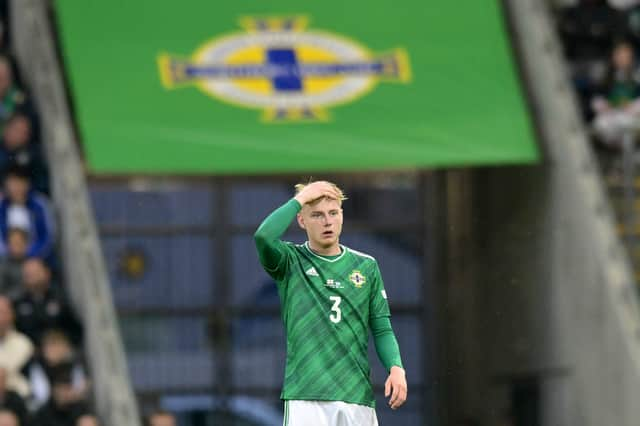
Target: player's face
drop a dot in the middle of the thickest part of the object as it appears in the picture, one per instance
(323, 222)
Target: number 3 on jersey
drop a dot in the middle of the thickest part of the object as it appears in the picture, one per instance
(336, 313)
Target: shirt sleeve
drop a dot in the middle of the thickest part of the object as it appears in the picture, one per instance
(43, 224)
(378, 304)
(380, 324)
(386, 343)
(20, 351)
(272, 251)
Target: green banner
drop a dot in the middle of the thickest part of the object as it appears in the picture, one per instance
(258, 87)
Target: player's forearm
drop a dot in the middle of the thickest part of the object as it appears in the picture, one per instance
(267, 237)
(276, 224)
(386, 343)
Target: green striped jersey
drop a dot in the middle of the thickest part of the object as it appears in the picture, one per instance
(327, 304)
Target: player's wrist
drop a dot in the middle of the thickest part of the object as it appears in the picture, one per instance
(396, 369)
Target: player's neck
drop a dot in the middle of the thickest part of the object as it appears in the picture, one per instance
(332, 250)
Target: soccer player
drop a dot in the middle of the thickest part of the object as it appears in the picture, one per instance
(331, 297)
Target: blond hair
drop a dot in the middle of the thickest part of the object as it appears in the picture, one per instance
(300, 186)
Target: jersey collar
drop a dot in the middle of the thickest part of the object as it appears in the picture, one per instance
(344, 250)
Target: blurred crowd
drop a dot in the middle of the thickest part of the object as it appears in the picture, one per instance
(44, 380)
(601, 40)
(43, 377)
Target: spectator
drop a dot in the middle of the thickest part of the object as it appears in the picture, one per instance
(87, 420)
(11, 401)
(161, 418)
(11, 265)
(56, 357)
(15, 350)
(4, 24)
(19, 148)
(467, 421)
(11, 98)
(9, 418)
(508, 419)
(588, 31)
(623, 4)
(24, 207)
(63, 408)
(617, 106)
(632, 17)
(40, 307)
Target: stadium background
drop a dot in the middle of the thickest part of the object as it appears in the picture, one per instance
(469, 179)
(201, 310)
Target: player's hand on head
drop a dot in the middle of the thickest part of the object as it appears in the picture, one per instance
(396, 387)
(317, 190)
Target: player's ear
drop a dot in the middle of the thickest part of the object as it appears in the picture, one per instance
(300, 220)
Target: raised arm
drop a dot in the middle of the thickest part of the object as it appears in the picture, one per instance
(271, 250)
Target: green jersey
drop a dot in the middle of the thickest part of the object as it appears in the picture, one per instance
(328, 304)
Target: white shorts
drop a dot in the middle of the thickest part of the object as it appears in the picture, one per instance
(328, 413)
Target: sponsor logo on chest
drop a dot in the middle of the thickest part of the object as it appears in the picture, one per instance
(356, 278)
(333, 284)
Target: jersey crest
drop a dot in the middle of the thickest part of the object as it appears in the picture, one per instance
(357, 278)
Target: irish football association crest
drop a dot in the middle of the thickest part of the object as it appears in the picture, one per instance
(357, 278)
(283, 68)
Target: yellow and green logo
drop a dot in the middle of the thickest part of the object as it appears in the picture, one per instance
(357, 278)
(281, 67)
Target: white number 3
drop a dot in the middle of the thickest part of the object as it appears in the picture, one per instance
(336, 314)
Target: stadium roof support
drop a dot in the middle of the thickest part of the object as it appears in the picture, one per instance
(588, 314)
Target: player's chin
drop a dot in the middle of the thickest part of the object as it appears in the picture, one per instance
(330, 240)
(327, 241)
(330, 237)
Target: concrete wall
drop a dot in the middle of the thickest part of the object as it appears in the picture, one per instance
(554, 300)
(552, 297)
